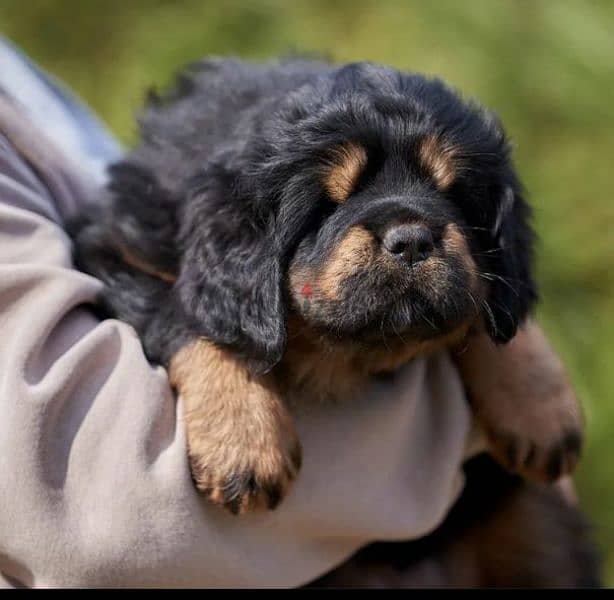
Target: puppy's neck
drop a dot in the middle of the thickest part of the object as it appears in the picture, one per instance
(317, 366)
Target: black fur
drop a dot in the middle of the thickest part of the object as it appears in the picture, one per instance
(225, 186)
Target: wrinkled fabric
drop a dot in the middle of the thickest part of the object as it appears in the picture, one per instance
(95, 488)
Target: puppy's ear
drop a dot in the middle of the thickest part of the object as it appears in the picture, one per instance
(231, 274)
(512, 290)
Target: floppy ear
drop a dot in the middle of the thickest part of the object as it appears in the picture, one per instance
(230, 280)
(512, 290)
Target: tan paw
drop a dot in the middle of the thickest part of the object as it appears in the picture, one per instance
(525, 403)
(540, 438)
(244, 471)
(541, 459)
(243, 448)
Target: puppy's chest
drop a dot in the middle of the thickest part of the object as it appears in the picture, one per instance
(326, 376)
(305, 376)
(319, 388)
(317, 367)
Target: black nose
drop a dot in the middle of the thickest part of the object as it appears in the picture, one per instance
(411, 241)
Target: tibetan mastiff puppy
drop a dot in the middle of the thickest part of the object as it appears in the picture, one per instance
(286, 232)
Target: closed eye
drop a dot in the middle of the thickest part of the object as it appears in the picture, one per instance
(343, 171)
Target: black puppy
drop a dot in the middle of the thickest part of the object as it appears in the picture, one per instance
(367, 211)
(288, 231)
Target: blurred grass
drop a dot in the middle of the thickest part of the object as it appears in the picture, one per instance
(547, 67)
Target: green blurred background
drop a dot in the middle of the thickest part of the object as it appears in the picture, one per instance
(547, 68)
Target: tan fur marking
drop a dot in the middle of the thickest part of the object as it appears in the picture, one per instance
(237, 427)
(455, 242)
(439, 159)
(322, 368)
(355, 251)
(341, 175)
(523, 399)
(141, 265)
(435, 268)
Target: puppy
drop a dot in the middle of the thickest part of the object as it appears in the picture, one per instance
(286, 232)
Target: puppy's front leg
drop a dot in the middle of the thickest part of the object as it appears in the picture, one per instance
(522, 397)
(243, 447)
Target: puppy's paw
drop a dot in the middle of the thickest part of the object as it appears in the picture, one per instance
(244, 465)
(540, 439)
(525, 403)
(243, 448)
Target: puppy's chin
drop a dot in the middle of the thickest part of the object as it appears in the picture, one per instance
(420, 303)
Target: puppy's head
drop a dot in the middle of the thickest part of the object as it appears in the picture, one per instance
(379, 205)
(392, 257)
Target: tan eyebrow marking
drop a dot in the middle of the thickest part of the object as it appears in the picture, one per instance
(439, 159)
(342, 172)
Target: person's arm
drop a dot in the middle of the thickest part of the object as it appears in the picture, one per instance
(83, 417)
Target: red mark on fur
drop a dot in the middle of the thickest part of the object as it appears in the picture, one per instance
(307, 291)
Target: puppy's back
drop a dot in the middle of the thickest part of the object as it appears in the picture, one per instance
(213, 108)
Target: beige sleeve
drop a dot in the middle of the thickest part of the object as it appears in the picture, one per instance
(94, 482)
